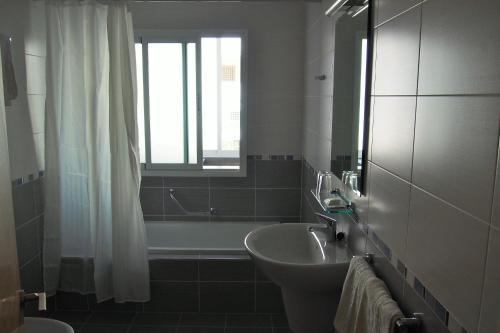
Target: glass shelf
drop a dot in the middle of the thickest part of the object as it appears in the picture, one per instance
(326, 195)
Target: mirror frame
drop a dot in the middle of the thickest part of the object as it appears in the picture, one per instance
(368, 99)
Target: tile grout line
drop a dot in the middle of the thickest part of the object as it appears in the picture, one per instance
(436, 197)
(489, 237)
(399, 14)
(30, 221)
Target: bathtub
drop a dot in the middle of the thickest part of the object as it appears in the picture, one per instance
(199, 240)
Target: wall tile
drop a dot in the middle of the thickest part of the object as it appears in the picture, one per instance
(396, 63)
(307, 211)
(227, 270)
(35, 69)
(27, 242)
(227, 297)
(38, 195)
(238, 182)
(278, 219)
(35, 31)
(413, 303)
(31, 276)
(185, 182)
(456, 145)
(446, 250)
(173, 270)
(393, 126)
(152, 201)
(148, 181)
(452, 33)
(22, 153)
(24, 205)
(389, 204)
(278, 174)
(386, 272)
(233, 202)
(387, 9)
(356, 238)
(36, 104)
(490, 318)
(218, 218)
(193, 200)
(496, 199)
(77, 273)
(278, 202)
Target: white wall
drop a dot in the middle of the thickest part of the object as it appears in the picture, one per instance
(318, 99)
(15, 22)
(275, 61)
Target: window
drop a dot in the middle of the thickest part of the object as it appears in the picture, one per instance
(191, 107)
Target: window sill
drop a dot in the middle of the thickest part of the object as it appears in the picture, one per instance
(212, 172)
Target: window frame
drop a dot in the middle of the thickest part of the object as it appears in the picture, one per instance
(193, 36)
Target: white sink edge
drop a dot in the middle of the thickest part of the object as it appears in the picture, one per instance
(257, 254)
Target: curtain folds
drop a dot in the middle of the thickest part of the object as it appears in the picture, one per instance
(92, 165)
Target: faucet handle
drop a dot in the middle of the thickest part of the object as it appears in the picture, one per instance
(325, 218)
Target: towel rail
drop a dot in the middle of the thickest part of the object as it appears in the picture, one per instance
(413, 322)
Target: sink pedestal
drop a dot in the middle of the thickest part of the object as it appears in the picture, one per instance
(309, 269)
(307, 312)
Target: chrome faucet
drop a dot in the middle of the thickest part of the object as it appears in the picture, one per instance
(330, 226)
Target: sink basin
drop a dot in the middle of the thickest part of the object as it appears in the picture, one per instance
(309, 269)
(44, 325)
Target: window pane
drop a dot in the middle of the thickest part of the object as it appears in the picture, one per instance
(166, 102)
(230, 94)
(192, 103)
(221, 87)
(210, 83)
(140, 102)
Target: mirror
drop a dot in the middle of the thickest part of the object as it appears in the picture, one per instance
(350, 111)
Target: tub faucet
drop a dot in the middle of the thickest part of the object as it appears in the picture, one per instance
(330, 226)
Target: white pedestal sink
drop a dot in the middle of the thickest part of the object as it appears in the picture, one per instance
(44, 325)
(309, 270)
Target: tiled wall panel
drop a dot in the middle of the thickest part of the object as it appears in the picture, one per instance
(490, 316)
(393, 124)
(387, 9)
(460, 51)
(396, 55)
(271, 191)
(447, 250)
(389, 205)
(495, 217)
(456, 141)
(28, 213)
(434, 45)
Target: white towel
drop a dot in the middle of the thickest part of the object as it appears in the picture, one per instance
(366, 306)
(9, 78)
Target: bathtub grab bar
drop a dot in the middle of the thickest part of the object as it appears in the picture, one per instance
(403, 324)
(171, 192)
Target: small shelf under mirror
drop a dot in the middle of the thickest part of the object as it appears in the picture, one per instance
(343, 208)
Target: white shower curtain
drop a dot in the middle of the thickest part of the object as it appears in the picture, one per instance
(92, 159)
